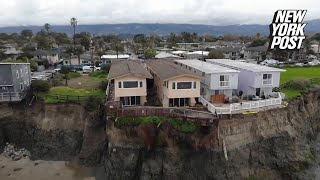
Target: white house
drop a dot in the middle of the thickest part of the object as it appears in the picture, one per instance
(219, 82)
(254, 80)
(108, 59)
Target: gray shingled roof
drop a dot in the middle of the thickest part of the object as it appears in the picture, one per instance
(167, 70)
(258, 49)
(127, 67)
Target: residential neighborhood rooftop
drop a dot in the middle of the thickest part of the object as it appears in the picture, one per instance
(167, 70)
(205, 67)
(245, 66)
(126, 67)
(13, 63)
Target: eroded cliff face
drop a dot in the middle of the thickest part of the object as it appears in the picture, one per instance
(54, 131)
(275, 144)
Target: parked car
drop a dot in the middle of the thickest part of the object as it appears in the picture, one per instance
(87, 69)
(270, 62)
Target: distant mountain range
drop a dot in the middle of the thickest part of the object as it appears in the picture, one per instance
(161, 29)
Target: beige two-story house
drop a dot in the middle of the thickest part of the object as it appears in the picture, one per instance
(128, 82)
(175, 87)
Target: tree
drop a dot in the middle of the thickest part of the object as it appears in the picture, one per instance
(61, 38)
(65, 70)
(84, 39)
(47, 27)
(78, 51)
(150, 53)
(215, 54)
(117, 47)
(26, 34)
(74, 23)
(258, 42)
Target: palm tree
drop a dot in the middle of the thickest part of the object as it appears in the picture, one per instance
(74, 23)
(117, 47)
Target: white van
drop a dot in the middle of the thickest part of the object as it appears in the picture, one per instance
(270, 62)
(87, 69)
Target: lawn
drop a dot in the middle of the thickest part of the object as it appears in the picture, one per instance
(300, 72)
(291, 93)
(185, 127)
(85, 82)
(293, 73)
(67, 91)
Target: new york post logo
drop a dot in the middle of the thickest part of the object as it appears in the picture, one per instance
(287, 30)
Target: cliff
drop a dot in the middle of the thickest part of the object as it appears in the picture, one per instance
(274, 144)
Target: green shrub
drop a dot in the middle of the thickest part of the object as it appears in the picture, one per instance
(40, 86)
(99, 74)
(93, 103)
(103, 85)
(105, 67)
(72, 75)
(298, 84)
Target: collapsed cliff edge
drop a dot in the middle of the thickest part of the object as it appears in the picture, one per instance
(274, 144)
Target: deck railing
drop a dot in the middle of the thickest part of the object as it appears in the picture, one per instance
(234, 107)
(11, 96)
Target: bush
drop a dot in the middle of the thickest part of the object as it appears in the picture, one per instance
(72, 75)
(40, 86)
(98, 74)
(298, 84)
(103, 85)
(105, 67)
(93, 103)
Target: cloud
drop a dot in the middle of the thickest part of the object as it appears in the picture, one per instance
(216, 12)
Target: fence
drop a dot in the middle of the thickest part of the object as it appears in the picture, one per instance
(241, 106)
(73, 98)
(188, 115)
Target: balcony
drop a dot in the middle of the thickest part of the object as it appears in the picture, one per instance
(267, 82)
(12, 96)
(224, 83)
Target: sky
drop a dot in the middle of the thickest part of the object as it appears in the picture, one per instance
(213, 12)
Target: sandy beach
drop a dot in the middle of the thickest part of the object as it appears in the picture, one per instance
(26, 169)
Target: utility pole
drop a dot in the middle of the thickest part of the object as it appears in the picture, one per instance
(92, 49)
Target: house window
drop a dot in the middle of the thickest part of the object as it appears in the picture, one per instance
(21, 73)
(224, 81)
(184, 85)
(130, 84)
(173, 85)
(194, 85)
(267, 79)
(141, 84)
(130, 100)
(17, 74)
(119, 84)
(164, 83)
(167, 85)
(21, 87)
(26, 69)
(190, 68)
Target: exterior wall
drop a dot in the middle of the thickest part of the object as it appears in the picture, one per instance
(15, 75)
(123, 92)
(24, 78)
(75, 61)
(183, 93)
(6, 77)
(215, 81)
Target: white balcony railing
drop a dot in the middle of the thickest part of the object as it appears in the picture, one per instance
(267, 82)
(224, 83)
(241, 106)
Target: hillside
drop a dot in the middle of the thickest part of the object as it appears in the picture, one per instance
(161, 29)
